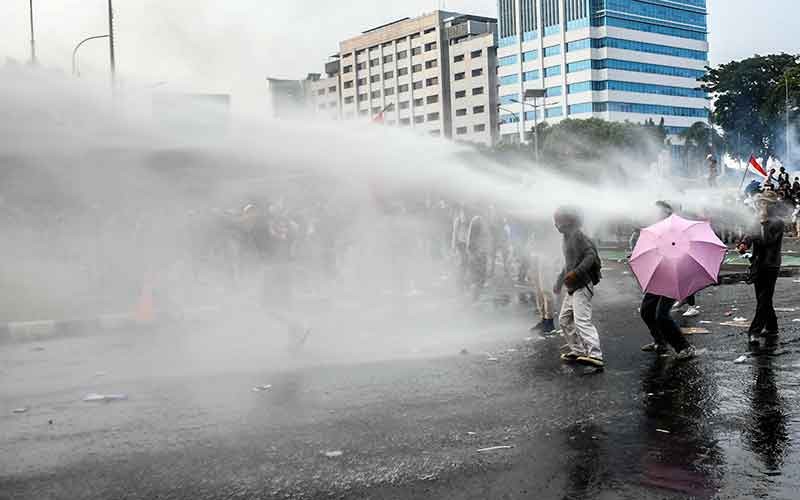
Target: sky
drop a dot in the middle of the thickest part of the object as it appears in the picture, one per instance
(233, 46)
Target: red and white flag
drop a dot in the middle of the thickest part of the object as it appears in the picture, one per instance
(757, 166)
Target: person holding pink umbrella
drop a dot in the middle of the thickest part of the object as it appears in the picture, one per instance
(655, 312)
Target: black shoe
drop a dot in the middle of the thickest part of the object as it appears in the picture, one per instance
(656, 348)
(538, 327)
(753, 338)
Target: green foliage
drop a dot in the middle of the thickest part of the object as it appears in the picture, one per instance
(595, 139)
(750, 102)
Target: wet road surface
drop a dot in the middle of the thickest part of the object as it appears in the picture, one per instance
(409, 423)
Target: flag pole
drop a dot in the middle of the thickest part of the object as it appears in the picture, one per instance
(746, 170)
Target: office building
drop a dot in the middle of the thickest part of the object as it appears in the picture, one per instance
(435, 74)
(618, 60)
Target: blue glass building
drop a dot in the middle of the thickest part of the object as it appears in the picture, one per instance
(614, 59)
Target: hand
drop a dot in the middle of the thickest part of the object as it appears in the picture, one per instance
(570, 279)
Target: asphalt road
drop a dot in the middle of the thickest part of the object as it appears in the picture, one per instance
(403, 415)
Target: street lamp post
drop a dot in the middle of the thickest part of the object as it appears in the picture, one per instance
(516, 117)
(33, 40)
(113, 59)
(533, 94)
(788, 139)
(75, 52)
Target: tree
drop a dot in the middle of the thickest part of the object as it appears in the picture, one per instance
(746, 105)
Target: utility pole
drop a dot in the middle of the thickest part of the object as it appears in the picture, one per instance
(111, 46)
(33, 40)
(788, 138)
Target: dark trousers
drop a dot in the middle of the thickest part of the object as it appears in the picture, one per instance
(656, 315)
(764, 282)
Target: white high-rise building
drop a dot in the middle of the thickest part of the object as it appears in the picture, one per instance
(619, 60)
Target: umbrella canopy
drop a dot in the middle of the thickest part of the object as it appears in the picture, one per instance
(677, 257)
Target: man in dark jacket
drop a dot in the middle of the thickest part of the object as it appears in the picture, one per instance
(580, 274)
(765, 243)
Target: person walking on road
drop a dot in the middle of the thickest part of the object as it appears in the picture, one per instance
(655, 312)
(581, 273)
(479, 244)
(764, 244)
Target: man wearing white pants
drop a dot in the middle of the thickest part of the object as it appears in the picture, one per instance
(580, 274)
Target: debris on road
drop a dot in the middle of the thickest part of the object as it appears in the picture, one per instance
(663, 431)
(733, 323)
(729, 314)
(492, 358)
(19, 410)
(740, 360)
(739, 319)
(262, 388)
(470, 433)
(693, 331)
(333, 454)
(704, 322)
(494, 448)
(786, 309)
(104, 398)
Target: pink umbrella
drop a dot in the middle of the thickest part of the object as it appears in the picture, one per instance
(677, 257)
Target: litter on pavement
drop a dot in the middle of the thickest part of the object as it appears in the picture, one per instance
(739, 319)
(494, 448)
(663, 431)
(786, 309)
(733, 323)
(706, 322)
(740, 360)
(693, 331)
(333, 454)
(491, 358)
(262, 388)
(19, 410)
(104, 398)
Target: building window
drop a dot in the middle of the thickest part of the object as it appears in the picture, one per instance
(553, 50)
(509, 79)
(404, 105)
(376, 110)
(508, 99)
(477, 72)
(432, 81)
(362, 81)
(531, 55)
(461, 130)
(435, 133)
(332, 90)
(387, 45)
(376, 94)
(476, 53)
(363, 112)
(321, 92)
(418, 102)
(431, 64)
(459, 76)
(374, 48)
(375, 62)
(348, 100)
(389, 91)
(348, 69)
(432, 99)
(360, 52)
(388, 59)
(461, 112)
(360, 66)
(458, 58)
(552, 91)
(362, 97)
(552, 71)
(479, 128)
(432, 117)
(417, 85)
(430, 46)
(402, 88)
(402, 71)
(477, 91)
(416, 68)
(530, 75)
(374, 78)
(507, 61)
(414, 36)
(348, 84)
(402, 54)
(415, 51)
(404, 122)
(478, 110)
(419, 119)
(429, 30)
(461, 94)
(388, 75)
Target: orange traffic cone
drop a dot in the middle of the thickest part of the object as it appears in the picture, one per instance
(145, 309)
